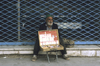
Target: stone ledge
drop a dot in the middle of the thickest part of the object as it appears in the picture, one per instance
(89, 53)
(75, 51)
(31, 47)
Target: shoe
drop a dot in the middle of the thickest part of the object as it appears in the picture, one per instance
(34, 58)
(66, 57)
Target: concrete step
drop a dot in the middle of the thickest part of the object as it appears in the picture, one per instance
(77, 50)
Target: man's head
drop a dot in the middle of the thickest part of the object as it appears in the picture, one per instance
(49, 20)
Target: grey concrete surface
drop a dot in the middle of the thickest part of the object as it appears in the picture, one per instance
(31, 47)
(77, 50)
(86, 46)
(25, 60)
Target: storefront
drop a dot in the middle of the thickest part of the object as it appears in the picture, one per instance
(78, 20)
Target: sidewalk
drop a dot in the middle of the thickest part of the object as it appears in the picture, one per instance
(25, 60)
(77, 50)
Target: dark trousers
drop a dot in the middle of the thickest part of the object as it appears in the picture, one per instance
(37, 47)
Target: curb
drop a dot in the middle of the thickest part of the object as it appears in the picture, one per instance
(90, 52)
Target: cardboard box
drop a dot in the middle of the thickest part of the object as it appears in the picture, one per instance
(49, 40)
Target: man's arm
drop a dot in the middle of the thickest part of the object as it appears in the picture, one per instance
(60, 39)
(40, 28)
(58, 31)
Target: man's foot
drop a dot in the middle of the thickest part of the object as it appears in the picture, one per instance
(34, 58)
(66, 57)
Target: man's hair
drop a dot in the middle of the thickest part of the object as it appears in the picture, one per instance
(48, 15)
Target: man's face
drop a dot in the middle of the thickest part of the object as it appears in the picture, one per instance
(49, 21)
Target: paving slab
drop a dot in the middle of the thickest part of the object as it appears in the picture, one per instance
(25, 60)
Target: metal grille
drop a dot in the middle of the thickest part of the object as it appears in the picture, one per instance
(8, 21)
(78, 20)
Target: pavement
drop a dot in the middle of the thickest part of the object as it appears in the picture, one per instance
(80, 55)
(25, 60)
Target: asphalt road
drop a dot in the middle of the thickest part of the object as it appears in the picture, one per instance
(25, 60)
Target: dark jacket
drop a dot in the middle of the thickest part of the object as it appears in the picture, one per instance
(44, 27)
(54, 26)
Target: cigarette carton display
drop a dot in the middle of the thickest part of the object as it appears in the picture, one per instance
(49, 40)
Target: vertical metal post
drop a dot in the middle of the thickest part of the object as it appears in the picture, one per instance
(56, 56)
(18, 5)
(48, 57)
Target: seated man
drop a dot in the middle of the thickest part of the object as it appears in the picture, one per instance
(48, 25)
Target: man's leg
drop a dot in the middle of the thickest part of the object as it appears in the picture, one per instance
(36, 50)
(36, 47)
(63, 52)
(62, 43)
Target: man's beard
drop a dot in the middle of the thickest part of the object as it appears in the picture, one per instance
(49, 23)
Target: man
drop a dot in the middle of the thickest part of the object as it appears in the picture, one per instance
(48, 25)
